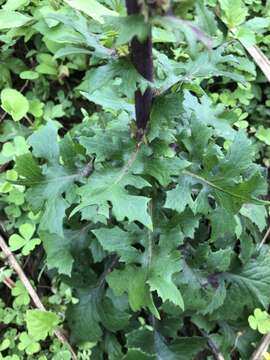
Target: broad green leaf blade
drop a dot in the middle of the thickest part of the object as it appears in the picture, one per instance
(179, 197)
(70, 50)
(12, 19)
(163, 266)
(133, 281)
(41, 323)
(44, 143)
(92, 8)
(58, 252)
(115, 240)
(234, 12)
(253, 279)
(110, 186)
(28, 168)
(129, 27)
(152, 343)
(85, 317)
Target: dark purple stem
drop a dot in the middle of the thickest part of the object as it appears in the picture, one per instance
(141, 57)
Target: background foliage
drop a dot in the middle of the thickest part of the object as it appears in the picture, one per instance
(140, 249)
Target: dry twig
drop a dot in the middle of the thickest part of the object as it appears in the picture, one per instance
(217, 354)
(258, 56)
(260, 59)
(31, 291)
(265, 237)
(261, 349)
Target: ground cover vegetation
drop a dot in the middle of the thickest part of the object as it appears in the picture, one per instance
(135, 144)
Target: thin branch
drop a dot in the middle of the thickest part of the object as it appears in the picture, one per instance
(218, 355)
(265, 237)
(259, 58)
(3, 116)
(215, 350)
(31, 291)
(261, 349)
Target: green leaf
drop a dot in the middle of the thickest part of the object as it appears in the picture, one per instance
(179, 197)
(163, 266)
(220, 260)
(47, 188)
(27, 230)
(248, 288)
(253, 278)
(239, 156)
(58, 252)
(234, 12)
(85, 318)
(92, 8)
(21, 294)
(109, 143)
(62, 355)
(27, 167)
(224, 181)
(152, 343)
(263, 135)
(260, 320)
(14, 103)
(28, 344)
(110, 185)
(12, 19)
(29, 75)
(129, 27)
(41, 323)
(223, 223)
(256, 213)
(44, 143)
(102, 77)
(208, 114)
(17, 242)
(15, 4)
(133, 281)
(163, 169)
(16, 148)
(71, 50)
(118, 241)
(109, 98)
(54, 213)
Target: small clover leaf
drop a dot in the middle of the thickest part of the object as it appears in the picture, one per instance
(14, 103)
(260, 321)
(263, 135)
(15, 148)
(24, 240)
(62, 355)
(8, 149)
(15, 197)
(28, 344)
(5, 273)
(27, 231)
(4, 345)
(11, 175)
(20, 293)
